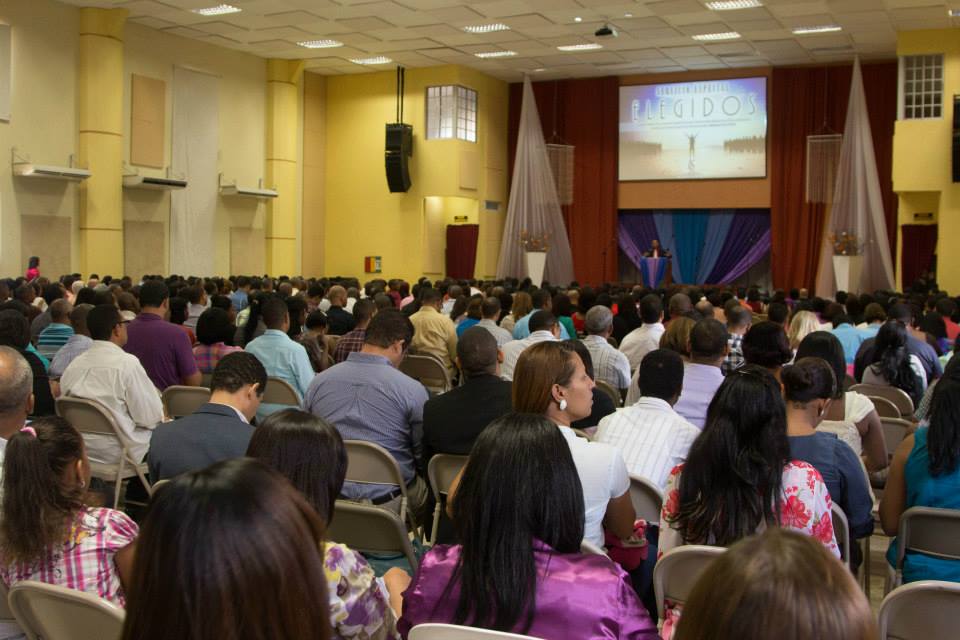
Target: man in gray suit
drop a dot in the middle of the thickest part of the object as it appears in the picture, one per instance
(220, 429)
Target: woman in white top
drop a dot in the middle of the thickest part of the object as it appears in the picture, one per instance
(893, 365)
(851, 415)
(550, 380)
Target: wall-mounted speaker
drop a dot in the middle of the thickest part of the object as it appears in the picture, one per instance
(397, 152)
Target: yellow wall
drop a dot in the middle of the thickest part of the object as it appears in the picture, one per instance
(314, 173)
(921, 157)
(362, 216)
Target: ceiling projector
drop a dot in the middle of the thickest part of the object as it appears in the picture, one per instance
(605, 30)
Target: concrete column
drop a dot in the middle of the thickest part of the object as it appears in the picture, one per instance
(100, 120)
(284, 78)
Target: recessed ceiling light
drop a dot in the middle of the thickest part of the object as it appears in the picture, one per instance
(578, 19)
(825, 28)
(628, 15)
(320, 44)
(219, 10)
(580, 47)
(727, 35)
(495, 54)
(733, 5)
(539, 69)
(374, 60)
(487, 28)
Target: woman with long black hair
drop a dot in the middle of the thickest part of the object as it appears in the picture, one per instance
(893, 365)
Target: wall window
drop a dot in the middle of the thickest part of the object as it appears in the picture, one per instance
(921, 87)
(451, 113)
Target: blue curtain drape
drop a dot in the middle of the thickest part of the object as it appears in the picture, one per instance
(718, 226)
(689, 230)
(664, 222)
(746, 231)
(636, 232)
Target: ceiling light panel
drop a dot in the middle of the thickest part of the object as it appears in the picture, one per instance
(374, 60)
(219, 10)
(495, 54)
(824, 28)
(733, 5)
(714, 37)
(320, 44)
(580, 47)
(486, 28)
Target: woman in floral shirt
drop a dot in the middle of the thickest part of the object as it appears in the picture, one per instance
(739, 478)
(310, 453)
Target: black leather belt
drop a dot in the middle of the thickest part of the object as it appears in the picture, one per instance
(387, 497)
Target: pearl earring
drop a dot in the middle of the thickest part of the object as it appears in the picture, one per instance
(563, 404)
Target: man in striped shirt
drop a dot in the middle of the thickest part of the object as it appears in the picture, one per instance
(651, 436)
(56, 334)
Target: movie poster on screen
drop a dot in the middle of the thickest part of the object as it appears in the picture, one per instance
(694, 130)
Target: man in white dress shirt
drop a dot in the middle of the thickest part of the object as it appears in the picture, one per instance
(652, 437)
(609, 365)
(645, 338)
(543, 326)
(490, 313)
(108, 374)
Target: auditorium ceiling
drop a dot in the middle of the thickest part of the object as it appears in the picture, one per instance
(653, 36)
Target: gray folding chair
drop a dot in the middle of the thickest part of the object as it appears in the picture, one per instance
(900, 399)
(608, 389)
(934, 532)
(206, 379)
(370, 529)
(885, 408)
(437, 631)
(894, 431)
(179, 401)
(646, 497)
(924, 610)
(369, 463)
(441, 471)
(678, 570)
(91, 417)
(279, 391)
(580, 433)
(428, 370)
(589, 548)
(841, 529)
(49, 612)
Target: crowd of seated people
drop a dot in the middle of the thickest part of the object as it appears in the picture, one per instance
(730, 398)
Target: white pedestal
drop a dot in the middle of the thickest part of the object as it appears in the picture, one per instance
(847, 271)
(536, 263)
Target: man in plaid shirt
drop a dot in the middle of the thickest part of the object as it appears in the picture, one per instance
(363, 312)
(739, 320)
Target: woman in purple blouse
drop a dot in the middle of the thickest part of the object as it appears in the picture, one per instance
(519, 514)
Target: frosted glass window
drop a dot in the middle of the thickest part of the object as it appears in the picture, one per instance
(451, 113)
(921, 87)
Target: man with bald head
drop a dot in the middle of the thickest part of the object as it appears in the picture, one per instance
(339, 320)
(453, 420)
(679, 305)
(16, 395)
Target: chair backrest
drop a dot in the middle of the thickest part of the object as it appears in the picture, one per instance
(894, 431)
(934, 532)
(841, 529)
(88, 416)
(5, 612)
(646, 497)
(588, 547)
(428, 370)
(924, 610)
(369, 463)
(206, 379)
(610, 391)
(371, 529)
(580, 433)
(179, 401)
(435, 631)
(678, 570)
(279, 391)
(885, 408)
(898, 397)
(441, 471)
(49, 612)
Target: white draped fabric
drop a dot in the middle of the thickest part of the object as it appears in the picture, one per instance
(533, 208)
(857, 202)
(196, 140)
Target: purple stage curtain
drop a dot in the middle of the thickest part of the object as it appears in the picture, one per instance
(750, 258)
(746, 231)
(636, 232)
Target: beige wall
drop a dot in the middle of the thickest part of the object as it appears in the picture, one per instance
(314, 173)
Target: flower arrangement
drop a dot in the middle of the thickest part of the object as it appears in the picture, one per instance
(539, 243)
(846, 243)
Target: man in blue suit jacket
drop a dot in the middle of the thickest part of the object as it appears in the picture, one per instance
(220, 429)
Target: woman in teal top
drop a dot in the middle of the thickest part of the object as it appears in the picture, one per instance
(925, 472)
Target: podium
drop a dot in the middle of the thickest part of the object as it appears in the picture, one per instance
(653, 271)
(536, 264)
(847, 271)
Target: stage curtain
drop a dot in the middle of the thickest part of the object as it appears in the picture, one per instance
(582, 112)
(718, 227)
(803, 100)
(690, 229)
(461, 249)
(919, 247)
(636, 232)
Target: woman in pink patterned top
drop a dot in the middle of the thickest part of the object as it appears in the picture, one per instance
(214, 335)
(47, 532)
(739, 479)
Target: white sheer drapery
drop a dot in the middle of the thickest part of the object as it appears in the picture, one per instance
(533, 208)
(857, 202)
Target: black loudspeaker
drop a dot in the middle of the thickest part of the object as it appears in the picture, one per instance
(397, 152)
(956, 138)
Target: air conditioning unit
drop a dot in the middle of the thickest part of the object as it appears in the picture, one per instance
(247, 192)
(30, 170)
(155, 184)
